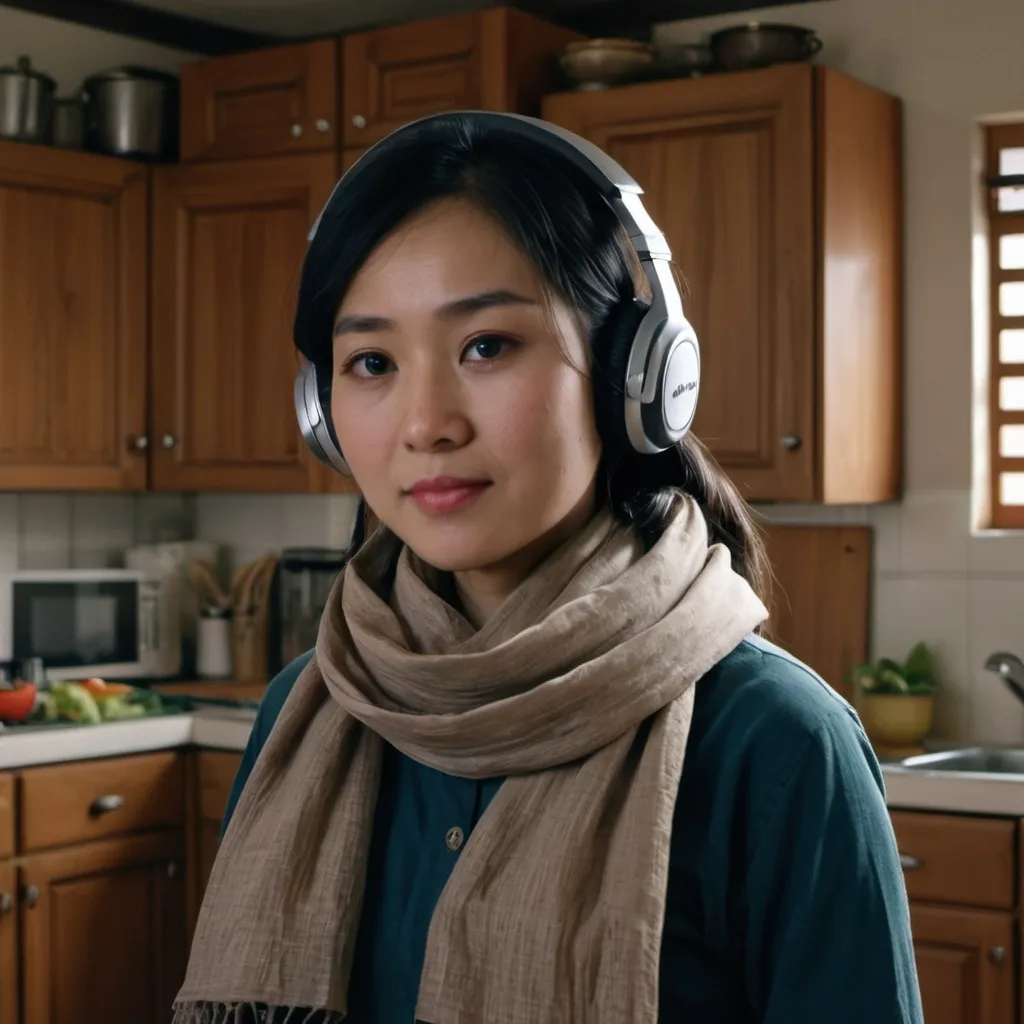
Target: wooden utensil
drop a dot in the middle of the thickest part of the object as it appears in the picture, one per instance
(204, 581)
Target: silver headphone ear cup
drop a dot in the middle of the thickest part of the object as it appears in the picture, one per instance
(312, 410)
(660, 403)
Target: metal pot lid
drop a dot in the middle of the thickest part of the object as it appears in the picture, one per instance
(131, 73)
(24, 67)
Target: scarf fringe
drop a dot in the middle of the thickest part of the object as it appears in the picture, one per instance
(250, 1013)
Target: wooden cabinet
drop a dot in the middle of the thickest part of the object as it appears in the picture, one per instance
(779, 193)
(73, 320)
(820, 603)
(962, 877)
(496, 59)
(8, 944)
(229, 239)
(965, 964)
(266, 103)
(215, 773)
(93, 897)
(103, 930)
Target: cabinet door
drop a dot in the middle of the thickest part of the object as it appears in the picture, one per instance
(103, 931)
(229, 240)
(8, 946)
(394, 75)
(965, 964)
(73, 277)
(726, 164)
(265, 103)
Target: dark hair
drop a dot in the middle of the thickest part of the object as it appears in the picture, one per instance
(576, 242)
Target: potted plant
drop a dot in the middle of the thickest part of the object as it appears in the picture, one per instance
(897, 703)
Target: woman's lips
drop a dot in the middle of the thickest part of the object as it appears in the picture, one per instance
(442, 494)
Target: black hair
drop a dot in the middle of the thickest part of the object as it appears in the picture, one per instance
(575, 241)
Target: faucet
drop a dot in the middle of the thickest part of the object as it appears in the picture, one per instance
(1011, 668)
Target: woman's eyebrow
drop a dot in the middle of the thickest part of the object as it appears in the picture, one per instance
(358, 323)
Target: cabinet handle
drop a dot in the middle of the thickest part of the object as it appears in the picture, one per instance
(323, 125)
(168, 441)
(359, 121)
(140, 443)
(6, 903)
(791, 442)
(30, 896)
(909, 863)
(106, 803)
(296, 130)
(997, 956)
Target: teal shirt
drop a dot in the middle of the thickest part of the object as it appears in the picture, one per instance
(785, 903)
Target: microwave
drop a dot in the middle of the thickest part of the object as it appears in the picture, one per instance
(107, 623)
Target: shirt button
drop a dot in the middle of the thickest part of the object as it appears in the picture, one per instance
(453, 840)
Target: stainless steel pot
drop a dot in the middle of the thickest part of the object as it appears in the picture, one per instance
(26, 102)
(760, 44)
(132, 112)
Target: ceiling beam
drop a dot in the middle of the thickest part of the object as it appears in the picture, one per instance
(127, 19)
(633, 17)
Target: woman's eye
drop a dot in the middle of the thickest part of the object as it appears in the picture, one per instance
(486, 347)
(370, 364)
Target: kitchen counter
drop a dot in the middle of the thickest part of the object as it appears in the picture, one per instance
(210, 728)
(965, 792)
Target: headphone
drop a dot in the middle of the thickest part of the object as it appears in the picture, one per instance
(653, 345)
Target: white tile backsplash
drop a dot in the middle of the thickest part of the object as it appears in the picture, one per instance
(102, 526)
(44, 531)
(934, 527)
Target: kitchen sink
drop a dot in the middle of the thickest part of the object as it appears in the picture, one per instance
(986, 760)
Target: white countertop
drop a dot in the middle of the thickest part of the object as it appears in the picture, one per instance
(218, 729)
(966, 792)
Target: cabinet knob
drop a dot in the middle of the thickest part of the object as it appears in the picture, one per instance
(168, 441)
(6, 903)
(791, 442)
(30, 896)
(997, 955)
(909, 863)
(140, 443)
(296, 130)
(359, 121)
(105, 804)
(172, 869)
(323, 125)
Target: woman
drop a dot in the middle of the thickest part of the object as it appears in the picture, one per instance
(471, 803)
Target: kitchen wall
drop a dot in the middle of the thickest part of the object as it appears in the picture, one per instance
(935, 579)
(953, 62)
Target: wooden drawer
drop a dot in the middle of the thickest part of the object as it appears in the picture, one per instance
(957, 859)
(6, 816)
(265, 103)
(81, 801)
(216, 771)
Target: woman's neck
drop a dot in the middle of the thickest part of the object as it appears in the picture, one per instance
(481, 592)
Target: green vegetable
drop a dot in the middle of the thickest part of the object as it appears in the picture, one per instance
(118, 708)
(74, 702)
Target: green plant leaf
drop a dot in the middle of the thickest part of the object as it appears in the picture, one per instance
(893, 681)
(919, 667)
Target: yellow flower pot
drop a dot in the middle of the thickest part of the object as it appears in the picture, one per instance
(896, 723)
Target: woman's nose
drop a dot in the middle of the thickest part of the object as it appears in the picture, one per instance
(435, 419)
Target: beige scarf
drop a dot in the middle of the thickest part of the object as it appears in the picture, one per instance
(554, 911)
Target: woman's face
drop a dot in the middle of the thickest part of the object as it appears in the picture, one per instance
(458, 398)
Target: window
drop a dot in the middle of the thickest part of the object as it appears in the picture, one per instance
(1005, 180)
